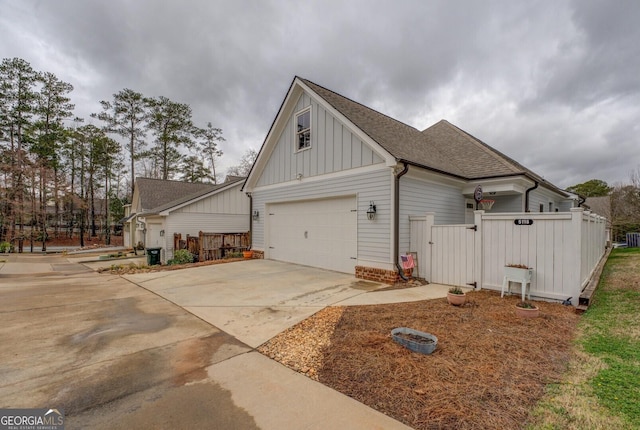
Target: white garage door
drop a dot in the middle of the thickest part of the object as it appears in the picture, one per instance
(319, 233)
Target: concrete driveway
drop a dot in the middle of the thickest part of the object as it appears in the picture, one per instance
(113, 355)
(254, 300)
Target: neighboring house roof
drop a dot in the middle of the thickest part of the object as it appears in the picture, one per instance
(212, 189)
(157, 192)
(233, 178)
(442, 147)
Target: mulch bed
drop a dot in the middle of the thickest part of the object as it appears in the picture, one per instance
(489, 369)
(122, 268)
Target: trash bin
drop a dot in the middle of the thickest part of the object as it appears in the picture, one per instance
(153, 256)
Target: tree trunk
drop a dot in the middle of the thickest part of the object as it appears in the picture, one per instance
(56, 185)
(43, 206)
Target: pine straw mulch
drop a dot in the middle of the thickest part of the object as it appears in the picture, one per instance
(489, 369)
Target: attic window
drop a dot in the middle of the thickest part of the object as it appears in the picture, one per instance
(303, 129)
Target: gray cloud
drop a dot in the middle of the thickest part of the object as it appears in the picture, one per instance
(552, 84)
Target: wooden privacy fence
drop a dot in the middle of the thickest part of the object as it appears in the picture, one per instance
(212, 246)
(563, 248)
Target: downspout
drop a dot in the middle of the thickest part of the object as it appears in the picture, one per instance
(526, 196)
(250, 220)
(581, 200)
(396, 220)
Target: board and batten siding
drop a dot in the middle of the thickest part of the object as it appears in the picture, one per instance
(231, 201)
(224, 212)
(368, 185)
(333, 148)
(418, 196)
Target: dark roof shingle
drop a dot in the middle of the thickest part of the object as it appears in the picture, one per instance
(157, 192)
(197, 194)
(442, 147)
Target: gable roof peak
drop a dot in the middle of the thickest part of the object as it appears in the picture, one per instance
(442, 147)
(313, 86)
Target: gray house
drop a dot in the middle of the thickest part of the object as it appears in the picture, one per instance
(335, 183)
(161, 208)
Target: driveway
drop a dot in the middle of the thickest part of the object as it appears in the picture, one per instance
(254, 300)
(113, 355)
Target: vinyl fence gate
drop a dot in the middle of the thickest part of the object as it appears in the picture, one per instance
(448, 251)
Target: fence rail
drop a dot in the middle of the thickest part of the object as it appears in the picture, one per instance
(212, 246)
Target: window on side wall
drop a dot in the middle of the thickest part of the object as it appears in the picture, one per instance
(303, 129)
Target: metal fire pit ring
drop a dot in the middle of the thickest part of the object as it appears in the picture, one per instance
(417, 341)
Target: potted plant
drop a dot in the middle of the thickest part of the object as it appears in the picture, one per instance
(247, 254)
(456, 296)
(527, 310)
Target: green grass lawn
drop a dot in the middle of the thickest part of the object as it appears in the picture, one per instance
(601, 389)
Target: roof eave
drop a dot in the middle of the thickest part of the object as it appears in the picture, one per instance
(529, 176)
(431, 169)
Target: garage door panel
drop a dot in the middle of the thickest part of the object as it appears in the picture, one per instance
(319, 233)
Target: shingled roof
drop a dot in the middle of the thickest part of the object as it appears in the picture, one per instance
(442, 147)
(157, 192)
(184, 199)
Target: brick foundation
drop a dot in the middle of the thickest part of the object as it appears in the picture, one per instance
(258, 254)
(377, 275)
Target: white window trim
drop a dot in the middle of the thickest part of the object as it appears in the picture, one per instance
(295, 128)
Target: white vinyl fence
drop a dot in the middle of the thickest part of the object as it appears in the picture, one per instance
(562, 247)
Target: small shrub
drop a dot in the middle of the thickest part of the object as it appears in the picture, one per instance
(525, 305)
(5, 246)
(181, 256)
(233, 254)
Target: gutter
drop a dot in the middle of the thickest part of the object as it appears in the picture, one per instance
(396, 219)
(526, 196)
(526, 174)
(250, 220)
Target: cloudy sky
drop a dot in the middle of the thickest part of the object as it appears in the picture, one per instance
(554, 84)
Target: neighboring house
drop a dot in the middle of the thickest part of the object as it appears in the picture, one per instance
(327, 161)
(161, 208)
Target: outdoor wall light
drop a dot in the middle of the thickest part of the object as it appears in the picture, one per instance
(256, 215)
(299, 176)
(371, 212)
(161, 232)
